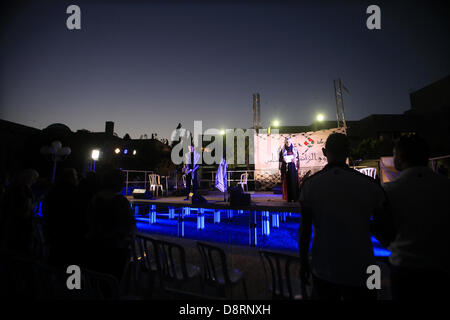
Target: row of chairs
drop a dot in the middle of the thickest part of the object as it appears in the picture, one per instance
(167, 261)
(164, 261)
(159, 260)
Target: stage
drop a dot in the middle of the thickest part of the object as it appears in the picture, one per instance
(268, 222)
(260, 201)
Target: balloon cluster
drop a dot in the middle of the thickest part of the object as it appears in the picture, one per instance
(56, 150)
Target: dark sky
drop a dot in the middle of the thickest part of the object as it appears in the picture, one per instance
(149, 65)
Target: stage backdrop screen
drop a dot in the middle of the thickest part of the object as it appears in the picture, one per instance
(267, 148)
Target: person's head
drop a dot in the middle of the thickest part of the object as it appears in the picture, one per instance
(28, 177)
(113, 180)
(410, 151)
(287, 142)
(68, 176)
(337, 148)
(191, 148)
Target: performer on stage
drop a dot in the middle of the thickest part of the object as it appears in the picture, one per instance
(282, 168)
(190, 169)
(290, 170)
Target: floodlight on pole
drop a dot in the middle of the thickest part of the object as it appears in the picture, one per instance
(320, 117)
(276, 123)
(95, 155)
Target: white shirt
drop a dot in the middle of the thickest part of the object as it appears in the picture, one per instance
(187, 158)
(342, 201)
(419, 202)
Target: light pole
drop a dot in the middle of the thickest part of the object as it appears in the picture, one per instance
(95, 155)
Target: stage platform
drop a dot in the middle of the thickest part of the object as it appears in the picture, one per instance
(260, 201)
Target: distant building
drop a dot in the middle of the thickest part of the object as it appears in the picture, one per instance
(20, 148)
(13, 139)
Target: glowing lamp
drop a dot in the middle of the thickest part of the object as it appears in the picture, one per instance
(320, 117)
(95, 154)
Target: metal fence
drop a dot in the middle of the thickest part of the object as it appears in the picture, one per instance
(140, 177)
(136, 174)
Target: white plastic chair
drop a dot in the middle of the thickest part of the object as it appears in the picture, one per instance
(244, 178)
(371, 172)
(155, 183)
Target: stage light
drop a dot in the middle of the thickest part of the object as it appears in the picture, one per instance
(276, 123)
(222, 132)
(134, 152)
(117, 150)
(320, 117)
(95, 154)
(125, 151)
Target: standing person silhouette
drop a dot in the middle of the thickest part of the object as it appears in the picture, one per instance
(339, 203)
(419, 207)
(191, 161)
(290, 166)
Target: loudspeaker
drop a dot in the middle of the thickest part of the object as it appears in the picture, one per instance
(141, 194)
(238, 197)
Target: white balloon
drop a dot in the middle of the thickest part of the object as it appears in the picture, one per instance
(65, 151)
(57, 145)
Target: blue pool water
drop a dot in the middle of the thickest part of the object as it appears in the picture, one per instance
(234, 230)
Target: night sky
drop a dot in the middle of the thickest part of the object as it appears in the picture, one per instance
(149, 65)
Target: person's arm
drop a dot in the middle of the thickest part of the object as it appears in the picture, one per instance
(186, 164)
(382, 224)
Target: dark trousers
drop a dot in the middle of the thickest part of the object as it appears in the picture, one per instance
(191, 182)
(324, 290)
(292, 182)
(415, 284)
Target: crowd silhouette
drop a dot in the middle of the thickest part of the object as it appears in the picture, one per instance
(87, 222)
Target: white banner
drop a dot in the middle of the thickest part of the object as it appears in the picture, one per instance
(309, 146)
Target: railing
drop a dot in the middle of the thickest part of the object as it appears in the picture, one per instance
(434, 162)
(127, 182)
(230, 176)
